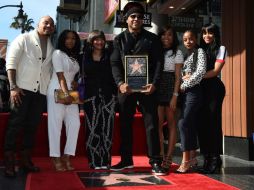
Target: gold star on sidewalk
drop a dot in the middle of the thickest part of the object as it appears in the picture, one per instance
(113, 179)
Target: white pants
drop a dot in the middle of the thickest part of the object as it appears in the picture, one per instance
(57, 114)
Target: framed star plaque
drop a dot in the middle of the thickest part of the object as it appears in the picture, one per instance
(136, 71)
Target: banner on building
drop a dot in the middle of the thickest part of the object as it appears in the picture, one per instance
(3, 48)
(110, 6)
(121, 22)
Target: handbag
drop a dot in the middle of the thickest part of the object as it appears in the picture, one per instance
(60, 96)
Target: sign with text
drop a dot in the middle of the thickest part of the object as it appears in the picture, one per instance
(183, 23)
(121, 21)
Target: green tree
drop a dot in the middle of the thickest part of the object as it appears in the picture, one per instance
(27, 24)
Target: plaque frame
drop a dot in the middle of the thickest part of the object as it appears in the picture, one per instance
(140, 75)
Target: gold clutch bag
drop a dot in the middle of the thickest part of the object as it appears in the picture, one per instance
(60, 97)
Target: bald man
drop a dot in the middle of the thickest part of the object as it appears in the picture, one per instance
(29, 68)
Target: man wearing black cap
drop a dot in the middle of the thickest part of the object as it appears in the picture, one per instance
(137, 41)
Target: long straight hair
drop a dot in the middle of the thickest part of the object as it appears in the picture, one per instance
(175, 43)
(213, 47)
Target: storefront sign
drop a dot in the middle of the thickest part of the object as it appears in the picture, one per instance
(183, 23)
(121, 21)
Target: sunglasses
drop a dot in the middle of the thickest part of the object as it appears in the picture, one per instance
(139, 17)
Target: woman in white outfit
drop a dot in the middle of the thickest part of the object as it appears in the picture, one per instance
(65, 66)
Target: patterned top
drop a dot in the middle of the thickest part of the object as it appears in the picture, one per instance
(170, 60)
(197, 70)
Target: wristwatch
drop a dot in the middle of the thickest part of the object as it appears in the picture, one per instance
(12, 87)
(176, 94)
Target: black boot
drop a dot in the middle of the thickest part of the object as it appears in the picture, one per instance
(9, 163)
(206, 160)
(26, 162)
(214, 165)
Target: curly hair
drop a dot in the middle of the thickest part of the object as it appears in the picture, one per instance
(74, 52)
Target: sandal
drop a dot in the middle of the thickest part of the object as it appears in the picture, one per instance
(58, 164)
(167, 161)
(67, 162)
(184, 167)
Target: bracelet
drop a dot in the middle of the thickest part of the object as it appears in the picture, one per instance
(66, 94)
(176, 94)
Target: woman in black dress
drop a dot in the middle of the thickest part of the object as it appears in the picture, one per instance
(210, 128)
(100, 101)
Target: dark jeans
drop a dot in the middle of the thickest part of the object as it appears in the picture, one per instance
(25, 117)
(127, 108)
(192, 101)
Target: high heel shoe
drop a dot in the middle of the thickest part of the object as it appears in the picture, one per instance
(167, 161)
(193, 162)
(184, 167)
(58, 164)
(213, 166)
(67, 162)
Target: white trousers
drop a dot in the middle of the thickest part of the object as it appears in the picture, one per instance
(57, 115)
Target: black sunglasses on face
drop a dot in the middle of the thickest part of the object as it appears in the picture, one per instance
(139, 17)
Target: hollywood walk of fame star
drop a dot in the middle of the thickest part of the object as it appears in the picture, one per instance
(116, 178)
(136, 67)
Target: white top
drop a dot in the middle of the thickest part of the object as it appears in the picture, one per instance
(170, 60)
(62, 63)
(25, 56)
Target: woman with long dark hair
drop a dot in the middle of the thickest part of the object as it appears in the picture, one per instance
(169, 90)
(100, 101)
(65, 66)
(210, 128)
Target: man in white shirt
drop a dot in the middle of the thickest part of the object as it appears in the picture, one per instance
(29, 69)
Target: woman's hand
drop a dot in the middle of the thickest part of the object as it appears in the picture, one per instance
(186, 77)
(173, 103)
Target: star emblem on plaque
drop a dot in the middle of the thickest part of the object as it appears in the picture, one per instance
(136, 71)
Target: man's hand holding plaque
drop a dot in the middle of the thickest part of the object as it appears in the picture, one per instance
(125, 89)
(148, 89)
